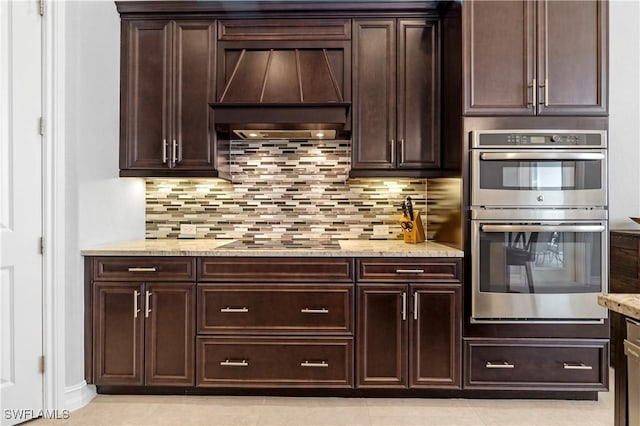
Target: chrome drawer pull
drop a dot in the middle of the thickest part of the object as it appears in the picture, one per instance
(314, 311)
(135, 269)
(409, 271)
(234, 310)
(230, 363)
(314, 364)
(580, 366)
(504, 364)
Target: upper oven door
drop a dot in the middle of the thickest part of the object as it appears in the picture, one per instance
(538, 178)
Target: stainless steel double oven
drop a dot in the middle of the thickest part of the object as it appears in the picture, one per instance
(539, 225)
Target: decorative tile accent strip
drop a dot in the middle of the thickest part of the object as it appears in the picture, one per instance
(282, 190)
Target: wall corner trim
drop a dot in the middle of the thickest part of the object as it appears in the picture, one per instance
(78, 395)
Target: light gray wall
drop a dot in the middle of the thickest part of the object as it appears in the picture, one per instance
(102, 208)
(624, 107)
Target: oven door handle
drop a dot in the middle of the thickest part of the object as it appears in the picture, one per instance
(542, 228)
(501, 156)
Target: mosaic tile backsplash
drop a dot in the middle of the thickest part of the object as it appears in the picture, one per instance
(287, 190)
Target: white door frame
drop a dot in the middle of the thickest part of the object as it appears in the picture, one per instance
(54, 199)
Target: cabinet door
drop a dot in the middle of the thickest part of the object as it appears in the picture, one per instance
(498, 54)
(145, 97)
(118, 323)
(374, 94)
(170, 323)
(435, 336)
(382, 336)
(418, 97)
(572, 57)
(193, 90)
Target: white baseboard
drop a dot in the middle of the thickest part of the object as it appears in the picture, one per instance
(77, 396)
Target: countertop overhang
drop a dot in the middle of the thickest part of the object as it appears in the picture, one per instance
(216, 247)
(623, 303)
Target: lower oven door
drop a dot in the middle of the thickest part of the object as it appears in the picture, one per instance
(543, 271)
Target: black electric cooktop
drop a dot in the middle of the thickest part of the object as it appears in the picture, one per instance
(282, 245)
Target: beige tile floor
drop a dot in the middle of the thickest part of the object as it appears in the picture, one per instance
(240, 411)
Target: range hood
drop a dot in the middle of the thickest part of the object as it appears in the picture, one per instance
(282, 94)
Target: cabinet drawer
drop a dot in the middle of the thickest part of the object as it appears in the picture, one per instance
(624, 241)
(286, 308)
(411, 270)
(274, 362)
(537, 364)
(275, 269)
(144, 268)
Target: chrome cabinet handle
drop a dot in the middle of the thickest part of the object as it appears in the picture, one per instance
(409, 271)
(542, 228)
(136, 310)
(546, 92)
(404, 306)
(401, 150)
(174, 151)
(579, 366)
(314, 311)
(234, 310)
(231, 363)
(534, 92)
(393, 151)
(415, 305)
(147, 307)
(504, 364)
(136, 269)
(314, 364)
(497, 156)
(164, 151)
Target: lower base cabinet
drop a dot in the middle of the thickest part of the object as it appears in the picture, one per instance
(275, 362)
(143, 333)
(409, 336)
(537, 364)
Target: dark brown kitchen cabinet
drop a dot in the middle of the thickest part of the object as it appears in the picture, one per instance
(167, 82)
(543, 364)
(409, 334)
(396, 101)
(143, 334)
(142, 331)
(543, 57)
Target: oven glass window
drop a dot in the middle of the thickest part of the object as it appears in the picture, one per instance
(540, 262)
(547, 175)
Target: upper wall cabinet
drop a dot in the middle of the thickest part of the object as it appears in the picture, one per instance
(396, 101)
(167, 82)
(546, 57)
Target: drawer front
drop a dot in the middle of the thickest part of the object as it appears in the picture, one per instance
(537, 364)
(285, 308)
(274, 362)
(624, 241)
(144, 268)
(275, 269)
(444, 270)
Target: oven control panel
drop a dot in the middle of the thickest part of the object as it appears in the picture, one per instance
(560, 138)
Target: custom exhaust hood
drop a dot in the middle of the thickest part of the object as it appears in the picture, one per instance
(283, 94)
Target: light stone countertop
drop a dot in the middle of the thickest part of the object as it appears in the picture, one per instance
(623, 303)
(213, 247)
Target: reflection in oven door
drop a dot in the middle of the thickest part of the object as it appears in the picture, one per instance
(538, 271)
